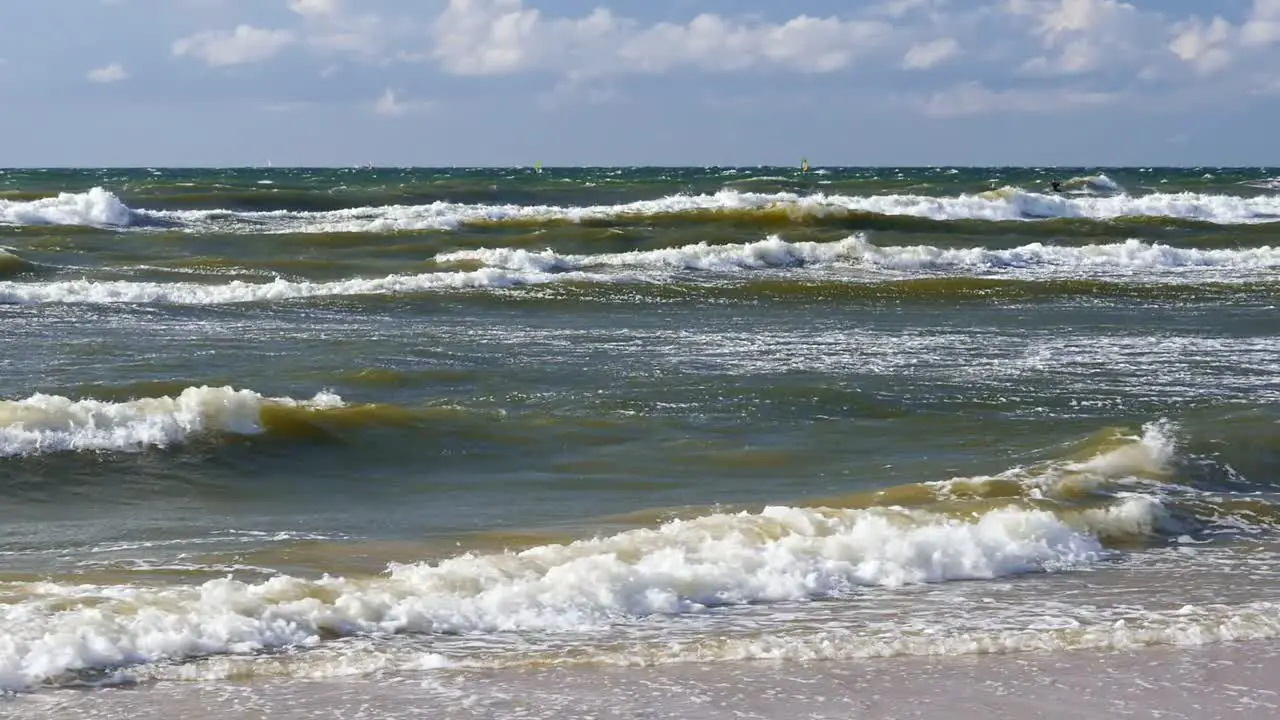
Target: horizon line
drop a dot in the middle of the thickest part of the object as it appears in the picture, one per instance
(531, 166)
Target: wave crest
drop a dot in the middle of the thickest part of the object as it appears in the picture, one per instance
(681, 567)
(96, 207)
(1100, 201)
(852, 261)
(774, 252)
(51, 423)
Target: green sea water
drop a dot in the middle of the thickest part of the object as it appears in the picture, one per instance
(263, 423)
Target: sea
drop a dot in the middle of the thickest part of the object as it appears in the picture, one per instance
(627, 442)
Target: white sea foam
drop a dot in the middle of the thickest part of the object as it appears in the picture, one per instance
(775, 252)
(1147, 455)
(509, 267)
(1052, 630)
(682, 567)
(1142, 460)
(99, 207)
(772, 252)
(51, 423)
(1055, 631)
(1267, 184)
(1186, 626)
(124, 291)
(1099, 183)
(1006, 204)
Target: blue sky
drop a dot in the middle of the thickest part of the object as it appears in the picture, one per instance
(571, 82)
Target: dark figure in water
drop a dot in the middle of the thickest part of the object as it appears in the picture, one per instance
(1056, 186)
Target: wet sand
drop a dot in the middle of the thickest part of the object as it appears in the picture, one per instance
(1240, 681)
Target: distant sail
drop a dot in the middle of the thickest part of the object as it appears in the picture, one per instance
(538, 166)
(804, 164)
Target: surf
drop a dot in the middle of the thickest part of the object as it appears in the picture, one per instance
(1100, 500)
(99, 207)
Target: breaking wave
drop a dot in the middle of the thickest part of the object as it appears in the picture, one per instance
(125, 291)
(1101, 200)
(1062, 515)
(852, 260)
(681, 567)
(774, 252)
(43, 424)
(97, 207)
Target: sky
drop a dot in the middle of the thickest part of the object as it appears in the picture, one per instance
(639, 82)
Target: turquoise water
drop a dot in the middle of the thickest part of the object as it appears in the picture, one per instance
(263, 423)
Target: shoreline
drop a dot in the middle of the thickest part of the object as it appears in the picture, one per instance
(1230, 680)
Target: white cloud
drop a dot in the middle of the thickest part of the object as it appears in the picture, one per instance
(1207, 47)
(1210, 47)
(710, 42)
(391, 105)
(973, 98)
(316, 8)
(1260, 32)
(923, 56)
(330, 28)
(1090, 45)
(246, 44)
(114, 72)
(1082, 36)
(496, 37)
(901, 8)
(1085, 16)
(1263, 25)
